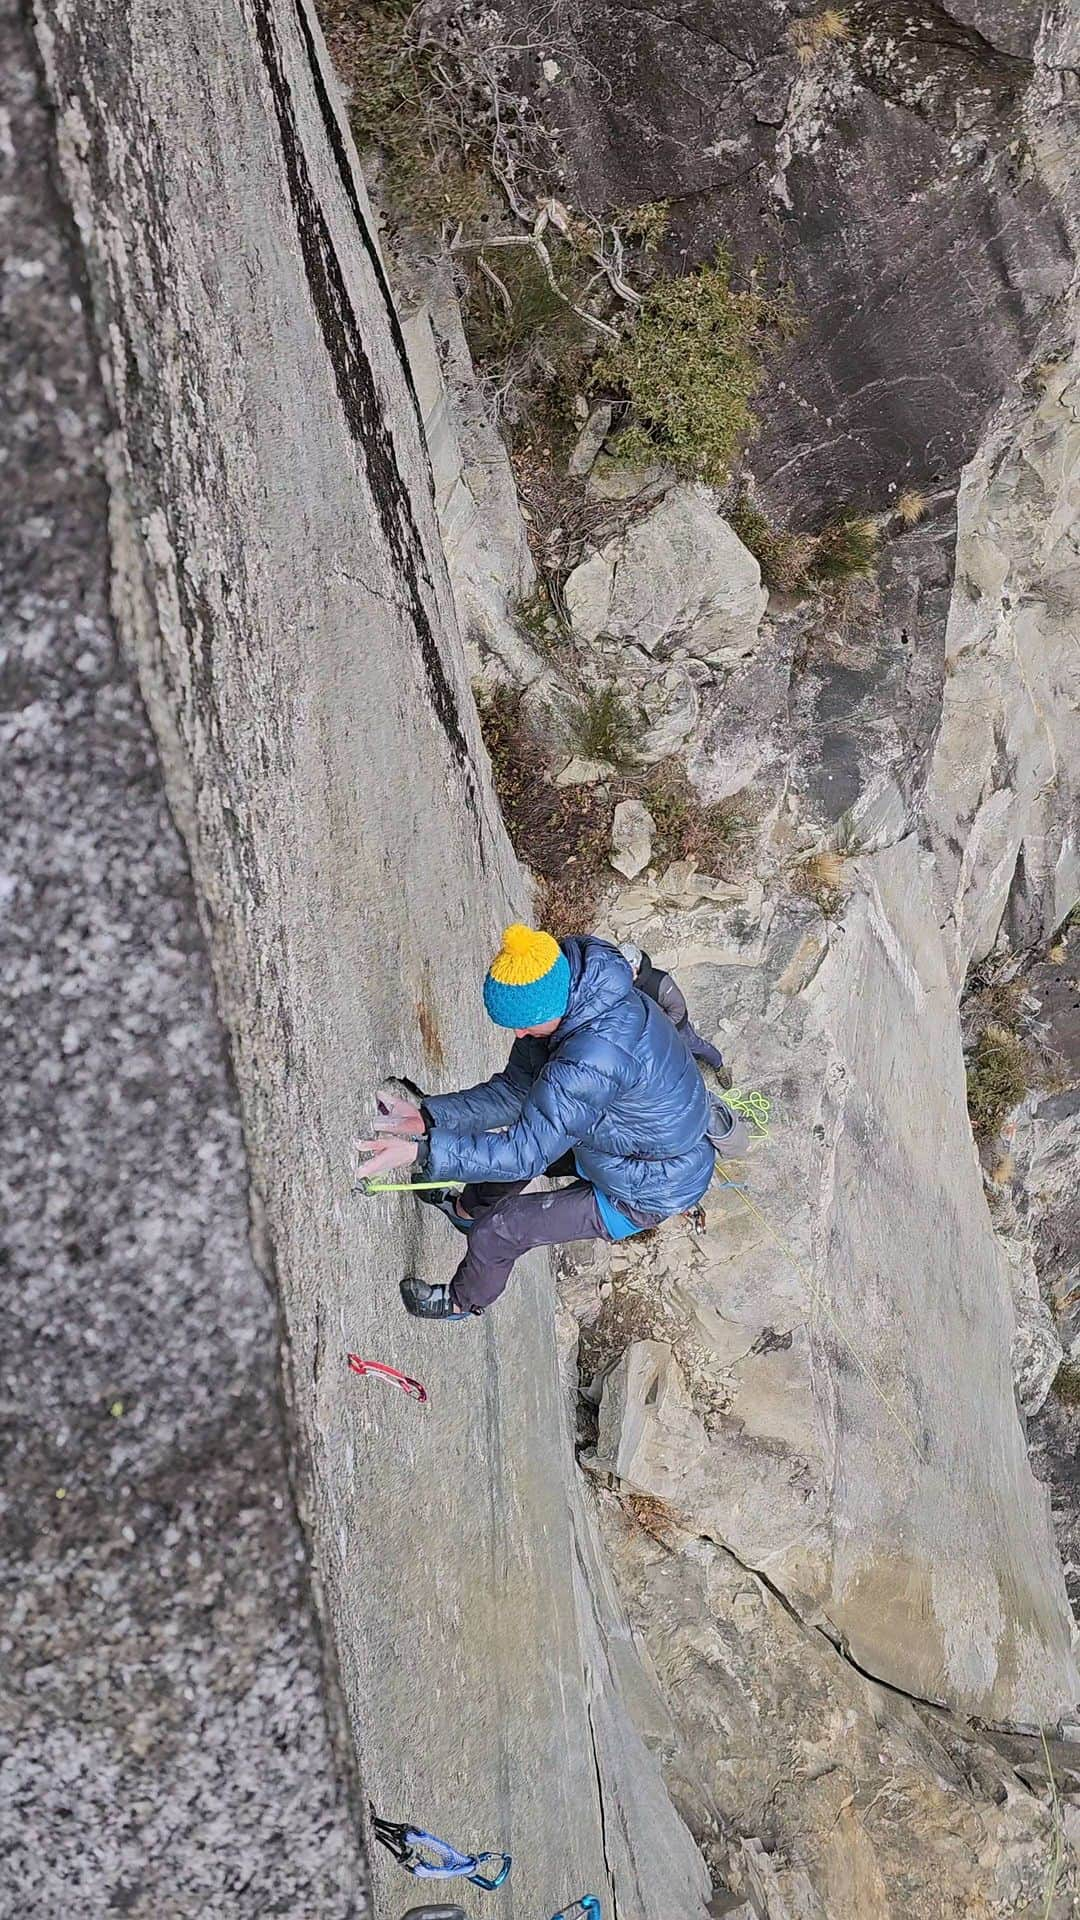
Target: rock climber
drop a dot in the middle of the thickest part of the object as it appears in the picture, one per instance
(666, 991)
(599, 1086)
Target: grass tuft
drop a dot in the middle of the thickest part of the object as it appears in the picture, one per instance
(821, 879)
(708, 832)
(811, 35)
(689, 366)
(512, 313)
(784, 558)
(847, 549)
(1000, 1071)
(541, 624)
(911, 506)
(604, 726)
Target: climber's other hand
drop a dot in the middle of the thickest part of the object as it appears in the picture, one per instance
(396, 1115)
(384, 1156)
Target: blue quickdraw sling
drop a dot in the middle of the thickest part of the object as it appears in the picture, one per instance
(405, 1842)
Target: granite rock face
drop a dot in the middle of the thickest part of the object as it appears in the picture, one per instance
(824, 1331)
(678, 577)
(861, 1805)
(164, 1746)
(1003, 802)
(278, 577)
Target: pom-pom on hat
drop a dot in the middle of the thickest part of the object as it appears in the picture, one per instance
(528, 981)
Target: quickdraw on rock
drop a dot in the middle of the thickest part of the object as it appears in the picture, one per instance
(409, 1845)
(403, 1380)
(588, 1907)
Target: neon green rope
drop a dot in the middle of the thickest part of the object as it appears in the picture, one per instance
(411, 1186)
(752, 1107)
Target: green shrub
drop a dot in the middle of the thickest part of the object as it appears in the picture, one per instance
(1066, 1384)
(689, 365)
(1000, 1071)
(645, 225)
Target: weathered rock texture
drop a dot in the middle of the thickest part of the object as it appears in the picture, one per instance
(278, 575)
(163, 1738)
(1004, 794)
(887, 178)
(862, 1805)
(915, 1526)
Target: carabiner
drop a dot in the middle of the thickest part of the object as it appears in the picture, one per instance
(481, 1880)
(588, 1907)
(449, 1862)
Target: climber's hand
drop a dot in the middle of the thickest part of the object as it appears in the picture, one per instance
(396, 1115)
(385, 1156)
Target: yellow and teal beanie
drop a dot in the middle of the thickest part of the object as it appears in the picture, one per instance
(528, 981)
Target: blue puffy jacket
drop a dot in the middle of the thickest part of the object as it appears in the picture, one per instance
(615, 1083)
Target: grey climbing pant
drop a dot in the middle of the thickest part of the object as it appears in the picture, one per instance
(510, 1221)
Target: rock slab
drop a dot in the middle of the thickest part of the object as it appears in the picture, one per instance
(278, 577)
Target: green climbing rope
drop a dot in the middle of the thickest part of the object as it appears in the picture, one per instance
(752, 1107)
(412, 1186)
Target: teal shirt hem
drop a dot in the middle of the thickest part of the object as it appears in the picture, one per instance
(616, 1223)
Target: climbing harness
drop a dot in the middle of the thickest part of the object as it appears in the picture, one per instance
(403, 1380)
(405, 1842)
(752, 1107)
(588, 1907)
(816, 1294)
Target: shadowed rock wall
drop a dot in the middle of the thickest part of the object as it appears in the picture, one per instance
(884, 174)
(278, 574)
(163, 1740)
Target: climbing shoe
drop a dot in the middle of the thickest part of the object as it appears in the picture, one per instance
(442, 1198)
(430, 1303)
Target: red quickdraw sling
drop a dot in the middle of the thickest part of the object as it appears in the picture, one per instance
(403, 1380)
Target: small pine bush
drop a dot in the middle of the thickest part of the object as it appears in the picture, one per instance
(689, 366)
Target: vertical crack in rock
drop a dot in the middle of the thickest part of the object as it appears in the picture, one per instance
(357, 389)
(348, 181)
